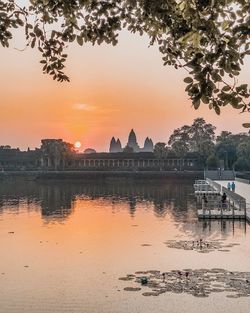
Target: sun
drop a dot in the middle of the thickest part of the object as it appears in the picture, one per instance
(77, 144)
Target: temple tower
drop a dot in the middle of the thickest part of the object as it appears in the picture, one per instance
(115, 146)
(148, 145)
(118, 145)
(132, 141)
(112, 145)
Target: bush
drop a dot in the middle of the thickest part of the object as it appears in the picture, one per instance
(212, 162)
(242, 164)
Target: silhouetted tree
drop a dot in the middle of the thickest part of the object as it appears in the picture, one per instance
(179, 140)
(161, 150)
(242, 164)
(197, 138)
(212, 162)
(227, 145)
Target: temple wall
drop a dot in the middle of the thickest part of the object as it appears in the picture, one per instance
(54, 161)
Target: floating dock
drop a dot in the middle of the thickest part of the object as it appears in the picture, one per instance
(215, 213)
(210, 193)
(202, 187)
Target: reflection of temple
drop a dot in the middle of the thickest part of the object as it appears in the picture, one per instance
(172, 197)
(56, 200)
(132, 145)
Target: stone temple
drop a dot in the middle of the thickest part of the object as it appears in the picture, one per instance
(132, 144)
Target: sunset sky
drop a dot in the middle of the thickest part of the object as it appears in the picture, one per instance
(112, 90)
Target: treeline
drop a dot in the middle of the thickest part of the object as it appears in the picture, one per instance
(230, 151)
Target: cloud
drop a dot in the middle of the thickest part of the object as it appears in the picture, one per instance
(83, 107)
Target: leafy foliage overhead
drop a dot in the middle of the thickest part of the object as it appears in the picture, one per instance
(207, 38)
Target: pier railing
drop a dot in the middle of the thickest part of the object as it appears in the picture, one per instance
(219, 174)
(237, 200)
(213, 205)
(242, 180)
(215, 185)
(219, 209)
(227, 205)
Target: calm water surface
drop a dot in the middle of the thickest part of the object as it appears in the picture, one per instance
(64, 246)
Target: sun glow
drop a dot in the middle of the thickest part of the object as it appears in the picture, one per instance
(78, 144)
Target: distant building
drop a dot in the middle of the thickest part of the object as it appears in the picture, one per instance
(132, 144)
(148, 145)
(115, 145)
(58, 155)
(14, 159)
(89, 151)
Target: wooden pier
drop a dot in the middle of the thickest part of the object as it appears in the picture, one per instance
(217, 209)
(215, 214)
(202, 187)
(209, 194)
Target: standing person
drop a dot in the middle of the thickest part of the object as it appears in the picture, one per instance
(224, 198)
(224, 201)
(228, 186)
(204, 198)
(233, 186)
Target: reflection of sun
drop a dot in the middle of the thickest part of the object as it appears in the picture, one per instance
(78, 144)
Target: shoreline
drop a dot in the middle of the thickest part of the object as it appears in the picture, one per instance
(90, 175)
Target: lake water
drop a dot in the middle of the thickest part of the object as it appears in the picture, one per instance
(64, 246)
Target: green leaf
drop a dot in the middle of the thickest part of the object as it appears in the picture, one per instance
(225, 25)
(226, 88)
(205, 99)
(79, 40)
(188, 80)
(196, 104)
(217, 109)
(33, 42)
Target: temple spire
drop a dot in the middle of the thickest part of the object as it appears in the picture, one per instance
(132, 141)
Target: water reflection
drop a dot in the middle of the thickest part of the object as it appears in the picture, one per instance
(206, 228)
(172, 198)
(58, 198)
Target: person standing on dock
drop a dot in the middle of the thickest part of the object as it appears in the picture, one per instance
(228, 186)
(224, 198)
(204, 198)
(233, 186)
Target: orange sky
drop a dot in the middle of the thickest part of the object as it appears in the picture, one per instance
(112, 90)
